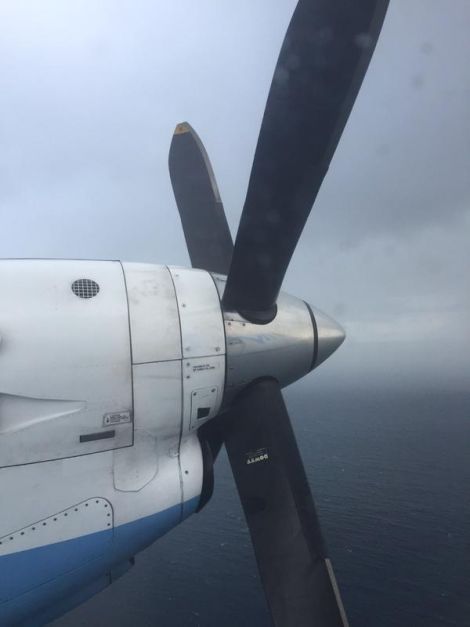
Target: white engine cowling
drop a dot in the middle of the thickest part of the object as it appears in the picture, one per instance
(92, 350)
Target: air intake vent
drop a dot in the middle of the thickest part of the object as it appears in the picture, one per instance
(85, 288)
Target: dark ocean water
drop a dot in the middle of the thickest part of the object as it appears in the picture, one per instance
(390, 471)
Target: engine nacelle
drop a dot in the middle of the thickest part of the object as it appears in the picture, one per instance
(93, 351)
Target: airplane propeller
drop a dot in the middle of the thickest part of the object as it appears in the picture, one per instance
(205, 227)
(323, 60)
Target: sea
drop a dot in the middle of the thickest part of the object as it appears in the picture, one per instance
(390, 474)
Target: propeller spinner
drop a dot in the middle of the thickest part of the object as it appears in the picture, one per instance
(323, 60)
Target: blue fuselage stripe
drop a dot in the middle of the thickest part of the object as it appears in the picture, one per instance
(32, 580)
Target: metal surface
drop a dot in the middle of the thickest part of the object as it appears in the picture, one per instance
(157, 398)
(136, 466)
(191, 472)
(299, 339)
(202, 330)
(82, 518)
(203, 389)
(282, 349)
(203, 345)
(153, 313)
(330, 336)
(64, 361)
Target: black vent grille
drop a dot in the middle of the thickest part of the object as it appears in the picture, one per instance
(85, 288)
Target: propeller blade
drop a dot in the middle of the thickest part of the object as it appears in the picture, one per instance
(197, 197)
(297, 576)
(322, 63)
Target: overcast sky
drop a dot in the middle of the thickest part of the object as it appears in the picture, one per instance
(90, 92)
